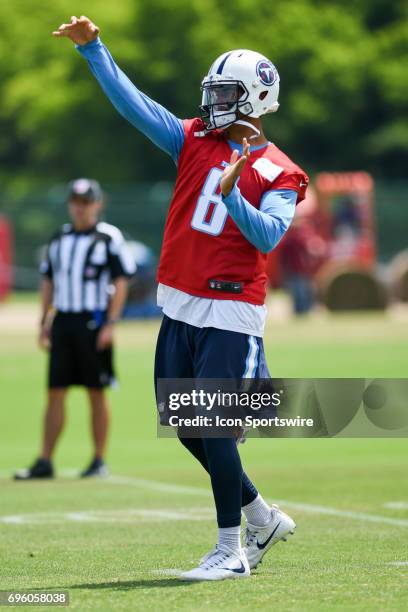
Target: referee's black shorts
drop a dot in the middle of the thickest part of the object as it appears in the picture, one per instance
(74, 359)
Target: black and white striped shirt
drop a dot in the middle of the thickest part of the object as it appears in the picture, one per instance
(82, 266)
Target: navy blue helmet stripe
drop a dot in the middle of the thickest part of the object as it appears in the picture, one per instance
(221, 66)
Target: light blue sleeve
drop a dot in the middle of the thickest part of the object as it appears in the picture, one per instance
(266, 226)
(153, 120)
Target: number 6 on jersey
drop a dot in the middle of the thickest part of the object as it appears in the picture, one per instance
(210, 213)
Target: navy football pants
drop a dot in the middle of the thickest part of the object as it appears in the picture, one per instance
(185, 351)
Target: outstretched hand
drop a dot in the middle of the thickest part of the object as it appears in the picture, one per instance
(80, 30)
(233, 171)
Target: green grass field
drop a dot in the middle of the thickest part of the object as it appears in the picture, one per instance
(113, 544)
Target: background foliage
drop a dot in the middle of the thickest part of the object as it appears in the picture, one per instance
(344, 82)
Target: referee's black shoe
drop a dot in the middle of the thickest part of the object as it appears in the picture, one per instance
(97, 468)
(42, 468)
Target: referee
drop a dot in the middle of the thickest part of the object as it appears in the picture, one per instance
(85, 280)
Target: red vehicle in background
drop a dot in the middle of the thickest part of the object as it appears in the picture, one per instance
(330, 251)
(5, 258)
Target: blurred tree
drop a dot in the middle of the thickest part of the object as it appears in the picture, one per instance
(343, 82)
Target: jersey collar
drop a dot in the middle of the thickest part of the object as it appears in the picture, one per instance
(238, 146)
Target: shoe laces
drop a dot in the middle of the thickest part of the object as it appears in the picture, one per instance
(250, 536)
(215, 558)
(209, 554)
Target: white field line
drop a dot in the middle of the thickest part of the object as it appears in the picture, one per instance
(398, 563)
(109, 516)
(310, 508)
(359, 516)
(397, 505)
(163, 487)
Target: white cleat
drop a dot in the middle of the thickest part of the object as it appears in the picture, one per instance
(220, 564)
(258, 540)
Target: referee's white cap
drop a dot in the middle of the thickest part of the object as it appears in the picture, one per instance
(88, 189)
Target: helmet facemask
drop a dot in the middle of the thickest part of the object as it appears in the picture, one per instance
(222, 101)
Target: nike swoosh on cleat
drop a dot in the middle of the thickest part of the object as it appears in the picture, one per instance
(239, 570)
(262, 546)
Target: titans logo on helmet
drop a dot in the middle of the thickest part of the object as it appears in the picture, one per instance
(266, 72)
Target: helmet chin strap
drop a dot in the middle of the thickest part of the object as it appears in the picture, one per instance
(239, 121)
(249, 125)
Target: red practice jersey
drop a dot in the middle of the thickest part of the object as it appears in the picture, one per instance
(204, 253)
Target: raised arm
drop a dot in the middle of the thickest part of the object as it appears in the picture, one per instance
(152, 119)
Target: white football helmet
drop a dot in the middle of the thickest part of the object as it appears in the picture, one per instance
(239, 81)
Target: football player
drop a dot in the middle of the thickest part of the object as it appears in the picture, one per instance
(232, 204)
